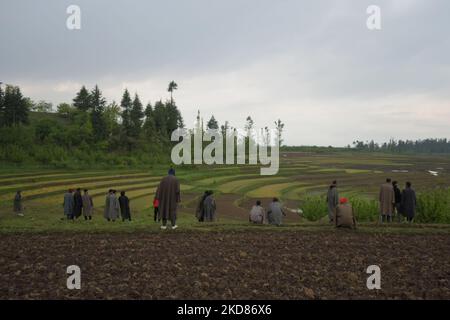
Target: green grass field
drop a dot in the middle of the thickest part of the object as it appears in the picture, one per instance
(300, 176)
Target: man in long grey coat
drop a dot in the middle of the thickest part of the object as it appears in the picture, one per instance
(409, 202)
(168, 194)
(387, 200)
(111, 206)
(332, 200)
(88, 205)
(68, 204)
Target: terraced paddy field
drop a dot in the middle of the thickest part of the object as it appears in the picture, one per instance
(295, 261)
(236, 187)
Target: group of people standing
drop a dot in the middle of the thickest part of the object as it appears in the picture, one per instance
(392, 202)
(117, 207)
(75, 204)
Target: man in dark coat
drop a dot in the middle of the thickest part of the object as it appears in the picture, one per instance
(18, 207)
(398, 201)
(332, 200)
(77, 203)
(124, 203)
(409, 202)
(168, 194)
(200, 212)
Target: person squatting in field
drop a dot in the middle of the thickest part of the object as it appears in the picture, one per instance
(168, 195)
(206, 208)
(257, 214)
(344, 215)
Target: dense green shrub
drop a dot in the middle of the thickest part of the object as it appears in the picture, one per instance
(365, 210)
(433, 206)
(314, 207)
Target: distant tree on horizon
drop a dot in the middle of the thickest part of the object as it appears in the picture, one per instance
(172, 87)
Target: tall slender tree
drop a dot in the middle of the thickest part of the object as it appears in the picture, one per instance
(136, 116)
(172, 87)
(149, 123)
(126, 104)
(98, 104)
(2, 105)
(279, 126)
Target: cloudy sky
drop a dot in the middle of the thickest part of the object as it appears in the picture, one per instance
(313, 64)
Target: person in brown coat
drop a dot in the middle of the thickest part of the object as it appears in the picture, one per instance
(344, 216)
(168, 195)
(387, 201)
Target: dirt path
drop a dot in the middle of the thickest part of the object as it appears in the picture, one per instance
(217, 265)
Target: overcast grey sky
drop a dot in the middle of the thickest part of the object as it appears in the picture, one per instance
(313, 64)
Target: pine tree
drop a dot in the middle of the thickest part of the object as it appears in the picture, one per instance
(15, 107)
(173, 118)
(212, 123)
(136, 116)
(149, 123)
(126, 105)
(159, 114)
(2, 111)
(97, 116)
(82, 101)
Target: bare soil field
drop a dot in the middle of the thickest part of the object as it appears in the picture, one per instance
(260, 264)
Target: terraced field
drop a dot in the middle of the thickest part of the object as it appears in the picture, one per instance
(236, 187)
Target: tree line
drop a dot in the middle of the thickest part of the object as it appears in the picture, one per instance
(87, 131)
(91, 131)
(405, 146)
